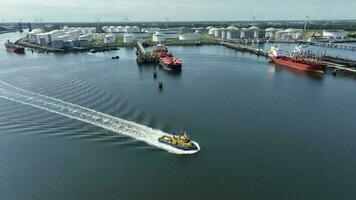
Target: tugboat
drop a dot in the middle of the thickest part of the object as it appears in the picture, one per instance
(180, 141)
(10, 46)
(166, 59)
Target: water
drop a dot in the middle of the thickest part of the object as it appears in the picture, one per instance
(266, 132)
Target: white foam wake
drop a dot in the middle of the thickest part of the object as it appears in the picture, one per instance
(108, 122)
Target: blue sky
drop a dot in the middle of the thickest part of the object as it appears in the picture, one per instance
(175, 10)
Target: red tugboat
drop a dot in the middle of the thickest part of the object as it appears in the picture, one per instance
(10, 46)
(166, 59)
(296, 60)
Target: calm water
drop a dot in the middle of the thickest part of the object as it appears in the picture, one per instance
(266, 132)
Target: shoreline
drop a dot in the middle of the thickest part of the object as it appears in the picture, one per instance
(109, 47)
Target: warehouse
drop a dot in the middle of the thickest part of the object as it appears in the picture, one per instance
(158, 37)
(190, 37)
(334, 34)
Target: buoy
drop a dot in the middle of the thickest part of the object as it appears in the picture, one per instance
(154, 75)
(160, 85)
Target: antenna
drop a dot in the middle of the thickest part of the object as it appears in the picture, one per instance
(98, 29)
(126, 19)
(166, 22)
(254, 18)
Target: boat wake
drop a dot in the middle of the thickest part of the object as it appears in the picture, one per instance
(108, 122)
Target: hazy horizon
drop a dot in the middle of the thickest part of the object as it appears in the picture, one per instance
(183, 10)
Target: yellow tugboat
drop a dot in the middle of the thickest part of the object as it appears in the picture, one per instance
(179, 141)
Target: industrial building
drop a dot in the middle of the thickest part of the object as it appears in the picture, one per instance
(190, 37)
(334, 34)
(158, 37)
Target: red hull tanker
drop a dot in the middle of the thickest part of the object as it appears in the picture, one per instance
(167, 60)
(14, 48)
(297, 62)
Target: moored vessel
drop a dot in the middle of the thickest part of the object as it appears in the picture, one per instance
(12, 47)
(166, 59)
(180, 141)
(296, 60)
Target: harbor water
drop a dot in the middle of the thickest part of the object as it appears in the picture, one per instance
(265, 131)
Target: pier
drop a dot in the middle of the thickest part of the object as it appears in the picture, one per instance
(337, 67)
(334, 45)
(143, 56)
(243, 48)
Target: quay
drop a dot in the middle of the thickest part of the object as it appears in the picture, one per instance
(243, 48)
(145, 57)
(334, 45)
(339, 68)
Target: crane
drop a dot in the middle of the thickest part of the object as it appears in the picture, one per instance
(307, 19)
(98, 29)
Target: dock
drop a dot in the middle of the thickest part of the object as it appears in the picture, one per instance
(334, 45)
(143, 56)
(337, 68)
(243, 48)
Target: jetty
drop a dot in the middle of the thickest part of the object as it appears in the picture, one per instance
(334, 45)
(143, 56)
(340, 68)
(244, 48)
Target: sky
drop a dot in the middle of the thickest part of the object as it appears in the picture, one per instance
(174, 10)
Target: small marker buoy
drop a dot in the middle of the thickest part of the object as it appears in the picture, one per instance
(155, 75)
(160, 85)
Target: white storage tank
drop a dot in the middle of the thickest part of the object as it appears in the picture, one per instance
(212, 31)
(88, 37)
(42, 38)
(68, 43)
(129, 29)
(112, 29)
(223, 33)
(270, 32)
(120, 29)
(150, 30)
(128, 38)
(109, 38)
(136, 29)
(233, 34)
(98, 36)
(190, 37)
(158, 37)
(217, 33)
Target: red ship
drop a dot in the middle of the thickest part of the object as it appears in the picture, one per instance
(167, 60)
(10, 46)
(296, 60)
